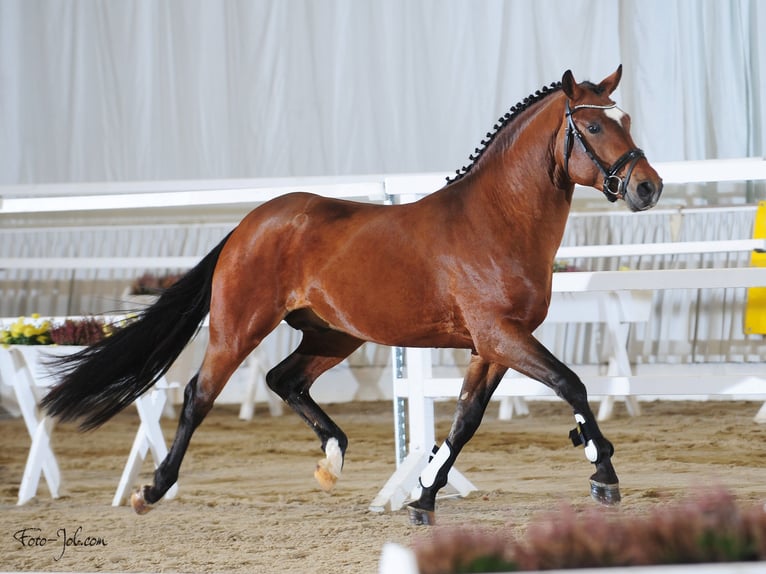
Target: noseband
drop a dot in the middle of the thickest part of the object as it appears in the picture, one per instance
(610, 174)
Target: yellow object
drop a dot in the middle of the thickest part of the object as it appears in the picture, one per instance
(755, 307)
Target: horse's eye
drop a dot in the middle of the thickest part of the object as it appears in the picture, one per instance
(594, 128)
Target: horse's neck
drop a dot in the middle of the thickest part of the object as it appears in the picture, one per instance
(516, 186)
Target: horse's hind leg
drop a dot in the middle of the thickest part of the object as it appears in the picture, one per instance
(291, 380)
(479, 383)
(219, 364)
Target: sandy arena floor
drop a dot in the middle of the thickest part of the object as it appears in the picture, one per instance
(248, 501)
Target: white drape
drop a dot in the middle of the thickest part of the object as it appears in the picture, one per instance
(147, 89)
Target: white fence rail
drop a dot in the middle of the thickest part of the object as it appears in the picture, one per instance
(67, 197)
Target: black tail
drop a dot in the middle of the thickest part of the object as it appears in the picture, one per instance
(101, 380)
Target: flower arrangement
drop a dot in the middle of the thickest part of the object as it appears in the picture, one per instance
(80, 332)
(27, 332)
(34, 331)
(150, 284)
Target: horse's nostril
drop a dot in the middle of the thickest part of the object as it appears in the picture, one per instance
(645, 189)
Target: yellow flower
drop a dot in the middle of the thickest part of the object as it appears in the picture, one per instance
(18, 327)
(22, 332)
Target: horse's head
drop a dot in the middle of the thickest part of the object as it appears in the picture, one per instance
(597, 149)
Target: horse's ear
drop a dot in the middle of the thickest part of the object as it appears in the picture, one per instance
(609, 84)
(568, 84)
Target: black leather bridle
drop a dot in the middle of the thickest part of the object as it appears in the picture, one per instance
(630, 157)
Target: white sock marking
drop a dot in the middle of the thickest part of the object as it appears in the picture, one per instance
(334, 457)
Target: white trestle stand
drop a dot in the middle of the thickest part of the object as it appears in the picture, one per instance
(256, 383)
(403, 484)
(760, 416)
(149, 437)
(23, 366)
(617, 310)
(40, 459)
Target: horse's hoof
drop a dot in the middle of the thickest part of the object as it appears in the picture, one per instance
(328, 469)
(606, 494)
(420, 517)
(325, 477)
(138, 502)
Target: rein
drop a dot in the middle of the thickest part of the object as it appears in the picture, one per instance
(610, 174)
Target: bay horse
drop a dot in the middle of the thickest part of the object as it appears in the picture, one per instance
(468, 266)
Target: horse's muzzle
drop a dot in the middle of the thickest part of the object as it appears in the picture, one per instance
(644, 196)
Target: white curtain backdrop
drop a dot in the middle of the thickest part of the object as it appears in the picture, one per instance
(188, 89)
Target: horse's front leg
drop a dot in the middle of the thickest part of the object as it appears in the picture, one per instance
(480, 382)
(528, 356)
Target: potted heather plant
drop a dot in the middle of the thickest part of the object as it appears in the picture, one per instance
(563, 267)
(80, 332)
(146, 288)
(150, 284)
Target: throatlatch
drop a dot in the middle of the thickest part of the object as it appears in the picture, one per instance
(585, 433)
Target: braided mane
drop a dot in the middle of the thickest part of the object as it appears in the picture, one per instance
(500, 124)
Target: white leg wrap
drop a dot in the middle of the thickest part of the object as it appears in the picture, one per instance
(591, 451)
(428, 476)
